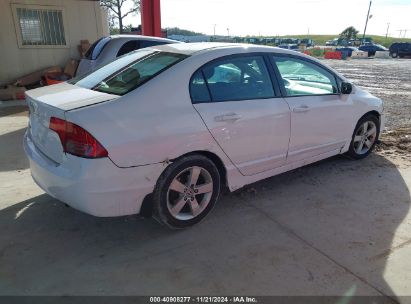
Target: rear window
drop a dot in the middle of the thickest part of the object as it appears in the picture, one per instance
(133, 45)
(95, 49)
(148, 43)
(129, 72)
(128, 47)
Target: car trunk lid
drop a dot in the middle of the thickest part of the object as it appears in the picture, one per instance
(54, 101)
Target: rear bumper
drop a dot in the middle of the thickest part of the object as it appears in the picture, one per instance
(93, 186)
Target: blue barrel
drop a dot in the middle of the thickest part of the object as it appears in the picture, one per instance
(344, 54)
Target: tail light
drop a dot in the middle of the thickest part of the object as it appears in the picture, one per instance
(76, 140)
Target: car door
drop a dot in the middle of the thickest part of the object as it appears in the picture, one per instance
(407, 49)
(366, 48)
(246, 116)
(321, 118)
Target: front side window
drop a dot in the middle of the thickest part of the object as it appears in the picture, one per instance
(40, 26)
(237, 78)
(300, 78)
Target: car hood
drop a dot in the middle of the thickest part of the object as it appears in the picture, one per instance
(67, 97)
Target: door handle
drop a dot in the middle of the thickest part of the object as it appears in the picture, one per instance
(301, 109)
(227, 117)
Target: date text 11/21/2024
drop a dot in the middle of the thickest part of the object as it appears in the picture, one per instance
(203, 299)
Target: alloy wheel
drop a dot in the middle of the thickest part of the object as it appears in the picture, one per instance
(365, 137)
(189, 193)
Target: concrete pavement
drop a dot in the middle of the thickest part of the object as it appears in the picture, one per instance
(338, 227)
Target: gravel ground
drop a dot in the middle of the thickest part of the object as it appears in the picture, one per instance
(389, 80)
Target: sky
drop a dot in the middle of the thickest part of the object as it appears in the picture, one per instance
(285, 17)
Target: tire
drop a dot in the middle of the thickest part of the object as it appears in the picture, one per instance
(177, 199)
(394, 54)
(363, 142)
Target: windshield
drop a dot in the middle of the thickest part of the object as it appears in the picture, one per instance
(382, 47)
(128, 72)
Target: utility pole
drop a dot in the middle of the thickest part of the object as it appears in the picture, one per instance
(228, 31)
(366, 22)
(214, 28)
(388, 27)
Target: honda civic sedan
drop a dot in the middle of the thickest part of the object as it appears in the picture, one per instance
(166, 128)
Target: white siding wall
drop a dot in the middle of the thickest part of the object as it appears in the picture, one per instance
(84, 20)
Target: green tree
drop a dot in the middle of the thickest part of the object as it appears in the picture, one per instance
(178, 31)
(119, 9)
(349, 33)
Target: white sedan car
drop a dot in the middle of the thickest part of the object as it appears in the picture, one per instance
(167, 127)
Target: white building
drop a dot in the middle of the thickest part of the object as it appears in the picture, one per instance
(36, 34)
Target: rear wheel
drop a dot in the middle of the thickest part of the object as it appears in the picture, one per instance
(186, 191)
(365, 137)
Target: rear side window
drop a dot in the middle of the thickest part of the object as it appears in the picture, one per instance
(128, 47)
(137, 73)
(235, 78)
(198, 88)
(95, 49)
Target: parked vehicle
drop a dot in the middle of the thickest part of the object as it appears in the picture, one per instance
(333, 42)
(372, 48)
(307, 42)
(293, 47)
(347, 49)
(400, 49)
(167, 127)
(107, 49)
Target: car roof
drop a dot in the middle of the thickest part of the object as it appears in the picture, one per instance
(199, 48)
(141, 37)
(204, 47)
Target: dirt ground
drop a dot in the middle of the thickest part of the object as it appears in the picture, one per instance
(389, 80)
(338, 227)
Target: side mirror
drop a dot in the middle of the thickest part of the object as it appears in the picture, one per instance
(346, 88)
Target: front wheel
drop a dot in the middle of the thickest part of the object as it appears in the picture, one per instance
(365, 137)
(186, 191)
(394, 54)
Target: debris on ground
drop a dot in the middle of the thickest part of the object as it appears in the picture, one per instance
(50, 78)
(83, 47)
(396, 141)
(34, 78)
(11, 92)
(388, 79)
